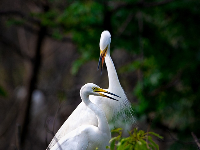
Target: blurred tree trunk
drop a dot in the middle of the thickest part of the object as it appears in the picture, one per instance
(35, 64)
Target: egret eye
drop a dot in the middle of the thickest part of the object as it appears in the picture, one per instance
(94, 88)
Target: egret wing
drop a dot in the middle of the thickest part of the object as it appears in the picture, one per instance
(75, 140)
(80, 116)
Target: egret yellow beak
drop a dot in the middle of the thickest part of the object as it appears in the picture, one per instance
(98, 90)
(102, 57)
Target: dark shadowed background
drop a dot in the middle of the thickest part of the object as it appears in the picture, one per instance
(50, 48)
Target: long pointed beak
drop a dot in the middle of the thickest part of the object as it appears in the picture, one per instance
(102, 57)
(98, 90)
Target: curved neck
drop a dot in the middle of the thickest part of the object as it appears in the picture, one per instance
(112, 74)
(102, 121)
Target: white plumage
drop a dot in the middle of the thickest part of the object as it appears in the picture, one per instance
(88, 137)
(114, 111)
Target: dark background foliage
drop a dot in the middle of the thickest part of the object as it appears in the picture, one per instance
(50, 48)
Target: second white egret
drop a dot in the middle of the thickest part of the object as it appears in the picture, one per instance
(88, 137)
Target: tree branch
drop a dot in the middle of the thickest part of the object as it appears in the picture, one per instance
(125, 24)
(140, 4)
(153, 4)
(27, 26)
(48, 33)
(4, 40)
(19, 14)
(196, 140)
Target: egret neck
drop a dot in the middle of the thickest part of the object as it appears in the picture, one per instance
(112, 74)
(102, 121)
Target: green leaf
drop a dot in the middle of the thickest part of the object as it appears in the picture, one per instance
(153, 143)
(117, 130)
(155, 134)
(136, 140)
(112, 144)
(141, 145)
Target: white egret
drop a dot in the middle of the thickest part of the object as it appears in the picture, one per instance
(122, 112)
(82, 115)
(88, 137)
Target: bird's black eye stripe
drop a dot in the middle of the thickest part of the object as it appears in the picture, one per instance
(111, 98)
(108, 93)
(113, 94)
(100, 60)
(97, 91)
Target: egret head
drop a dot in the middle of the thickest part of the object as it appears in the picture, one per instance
(93, 89)
(104, 45)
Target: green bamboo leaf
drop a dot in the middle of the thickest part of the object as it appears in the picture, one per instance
(141, 145)
(153, 143)
(112, 144)
(112, 139)
(152, 147)
(117, 130)
(155, 134)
